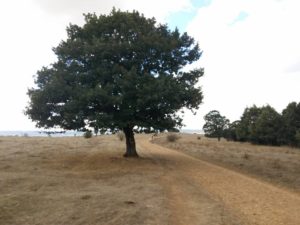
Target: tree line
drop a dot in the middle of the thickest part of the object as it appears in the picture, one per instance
(258, 125)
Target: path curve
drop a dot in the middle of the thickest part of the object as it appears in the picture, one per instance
(204, 193)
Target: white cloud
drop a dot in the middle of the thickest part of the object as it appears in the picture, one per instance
(246, 62)
(75, 8)
(159, 9)
(63, 7)
(293, 68)
(27, 37)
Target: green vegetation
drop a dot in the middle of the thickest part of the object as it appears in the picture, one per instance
(263, 125)
(291, 124)
(117, 72)
(215, 124)
(260, 126)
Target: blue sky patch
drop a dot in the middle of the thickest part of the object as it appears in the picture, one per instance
(241, 17)
(201, 3)
(182, 18)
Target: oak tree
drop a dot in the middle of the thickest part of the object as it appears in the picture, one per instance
(215, 124)
(120, 71)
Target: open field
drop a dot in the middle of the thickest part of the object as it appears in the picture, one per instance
(278, 165)
(78, 181)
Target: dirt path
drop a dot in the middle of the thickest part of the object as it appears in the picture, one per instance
(203, 193)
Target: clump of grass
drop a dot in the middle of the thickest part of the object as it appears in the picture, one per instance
(121, 136)
(172, 137)
(88, 134)
(85, 197)
(246, 156)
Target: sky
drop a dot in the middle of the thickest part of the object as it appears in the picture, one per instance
(251, 49)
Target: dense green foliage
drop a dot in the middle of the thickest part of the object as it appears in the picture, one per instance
(230, 133)
(263, 125)
(215, 124)
(247, 123)
(291, 124)
(266, 129)
(117, 72)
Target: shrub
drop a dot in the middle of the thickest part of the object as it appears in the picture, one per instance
(88, 134)
(172, 137)
(121, 135)
(246, 156)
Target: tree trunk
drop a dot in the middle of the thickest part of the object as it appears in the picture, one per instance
(130, 143)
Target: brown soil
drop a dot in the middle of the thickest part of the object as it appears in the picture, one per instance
(87, 181)
(277, 165)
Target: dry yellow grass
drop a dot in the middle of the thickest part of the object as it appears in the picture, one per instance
(76, 181)
(278, 165)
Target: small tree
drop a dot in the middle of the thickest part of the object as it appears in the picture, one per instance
(117, 72)
(215, 124)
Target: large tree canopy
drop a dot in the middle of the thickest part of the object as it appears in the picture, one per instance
(117, 72)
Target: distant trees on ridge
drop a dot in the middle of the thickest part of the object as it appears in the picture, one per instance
(258, 125)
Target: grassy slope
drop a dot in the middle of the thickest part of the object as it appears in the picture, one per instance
(278, 165)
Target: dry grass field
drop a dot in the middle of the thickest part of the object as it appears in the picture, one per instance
(72, 181)
(77, 181)
(278, 165)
